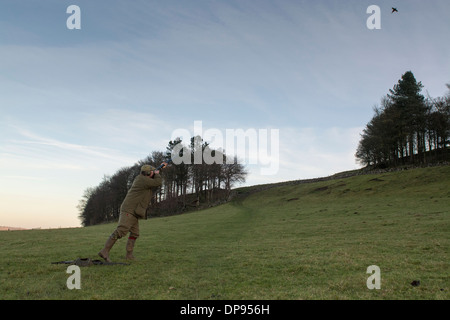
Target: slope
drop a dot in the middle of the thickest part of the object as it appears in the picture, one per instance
(305, 241)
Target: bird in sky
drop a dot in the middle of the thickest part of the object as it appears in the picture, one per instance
(394, 10)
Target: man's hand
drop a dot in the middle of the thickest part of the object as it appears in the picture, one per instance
(152, 174)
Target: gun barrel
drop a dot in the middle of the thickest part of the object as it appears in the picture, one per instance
(162, 165)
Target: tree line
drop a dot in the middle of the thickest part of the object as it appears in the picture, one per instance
(185, 186)
(408, 128)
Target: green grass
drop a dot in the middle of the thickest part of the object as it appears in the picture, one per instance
(306, 241)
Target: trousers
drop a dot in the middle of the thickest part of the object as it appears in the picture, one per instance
(127, 223)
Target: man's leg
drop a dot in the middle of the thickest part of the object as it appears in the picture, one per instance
(134, 234)
(130, 247)
(125, 223)
(104, 253)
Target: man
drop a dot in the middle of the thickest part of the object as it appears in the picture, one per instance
(133, 208)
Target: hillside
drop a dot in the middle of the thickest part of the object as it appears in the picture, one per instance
(294, 241)
(3, 228)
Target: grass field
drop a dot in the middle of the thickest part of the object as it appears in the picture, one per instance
(305, 241)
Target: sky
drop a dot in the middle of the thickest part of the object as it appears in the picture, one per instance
(79, 104)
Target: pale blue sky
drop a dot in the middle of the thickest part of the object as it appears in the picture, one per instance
(79, 104)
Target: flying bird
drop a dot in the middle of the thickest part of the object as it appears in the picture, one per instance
(394, 10)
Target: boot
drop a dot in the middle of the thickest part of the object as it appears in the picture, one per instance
(104, 253)
(130, 247)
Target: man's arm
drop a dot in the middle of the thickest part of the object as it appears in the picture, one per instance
(154, 180)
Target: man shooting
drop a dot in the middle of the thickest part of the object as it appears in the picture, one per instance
(133, 208)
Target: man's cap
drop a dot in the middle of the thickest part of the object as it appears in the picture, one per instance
(147, 168)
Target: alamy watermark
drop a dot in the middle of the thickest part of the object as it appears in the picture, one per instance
(73, 22)
(252, 146)
(74, 281)
(374, 21)
(374, 280)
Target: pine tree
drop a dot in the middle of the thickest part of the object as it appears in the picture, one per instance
(410, 105)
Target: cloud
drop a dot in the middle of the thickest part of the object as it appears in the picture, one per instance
(286, 153)
(53, 149)
(130, 129)
(312, 152)
(50, 173)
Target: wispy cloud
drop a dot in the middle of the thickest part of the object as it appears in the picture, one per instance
(312, 152)
(37, 146)
(131, 130)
